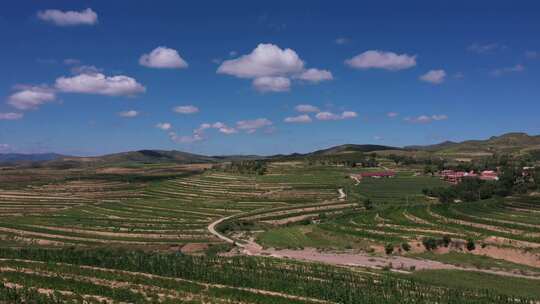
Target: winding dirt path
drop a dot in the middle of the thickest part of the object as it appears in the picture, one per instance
(360, 259)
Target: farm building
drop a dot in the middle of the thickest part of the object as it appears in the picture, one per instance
(380, 174)
(456, 177)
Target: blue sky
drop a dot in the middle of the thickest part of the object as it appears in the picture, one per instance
(96, 77)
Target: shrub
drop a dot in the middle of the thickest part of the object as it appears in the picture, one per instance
(470, 245)
(389, 248)
(368, 204)
(430, 243)
(406, 246)
(446, 240)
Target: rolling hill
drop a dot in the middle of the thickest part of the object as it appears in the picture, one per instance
(511, 143)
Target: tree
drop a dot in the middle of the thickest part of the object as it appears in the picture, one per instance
(470, 245)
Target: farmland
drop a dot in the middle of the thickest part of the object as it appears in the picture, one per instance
(141, 234)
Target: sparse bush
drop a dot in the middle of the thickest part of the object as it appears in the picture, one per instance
(430, 243)
(446, 240)
(389, 248)
(471, 245)
(368, 204)
(406, 246)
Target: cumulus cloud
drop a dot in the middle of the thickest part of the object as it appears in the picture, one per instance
(304, 118)
(98, 83)
(272, 84)
(332, 116)
(264, 60)
(315, 75)
(392, 114)
(31, 97)
(272, 68)
(251, 126)
(434, 76)
(163, 58)
(164, 126)
(513, 69)
(11, 116)
(426, 118)
(189, 109)
(69, 18)
(375, 59)
(129, 114)
(306, 108)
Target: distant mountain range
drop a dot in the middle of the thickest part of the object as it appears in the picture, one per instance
(507, 143)
(515, 143)
(20, 157)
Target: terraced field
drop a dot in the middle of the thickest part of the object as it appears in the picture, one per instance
(160, 214)
(104, 276)
(292, 206)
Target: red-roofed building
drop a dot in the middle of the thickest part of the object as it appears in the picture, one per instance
(378, 174)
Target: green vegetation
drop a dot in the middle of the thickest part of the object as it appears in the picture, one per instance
(137, 232)
(249, 280)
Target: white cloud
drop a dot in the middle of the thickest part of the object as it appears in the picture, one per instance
(348, 115)
(377, 137)
(327, 116)
(315, 75)
(129, 114)
(227, 130)
(264, 60)
(85, 69)
(272, 68)
(163, 58)
(251, 126)
(485, 48)
(434, 76)
(439, 117)
(306, 108)
(164, 126)
(304, 118)
(392, 114)
(513, 69)
(426, 118)
(68, 18)
(5, 148)
(31, 97)
(11, 116)
(199, 133)
(333, 116)
(272, 84)
(98, 83)
(342, 40)
(185, 139)
(375, 59)
(189, 109)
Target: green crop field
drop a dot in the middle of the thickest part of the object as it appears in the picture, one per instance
(145, 238)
